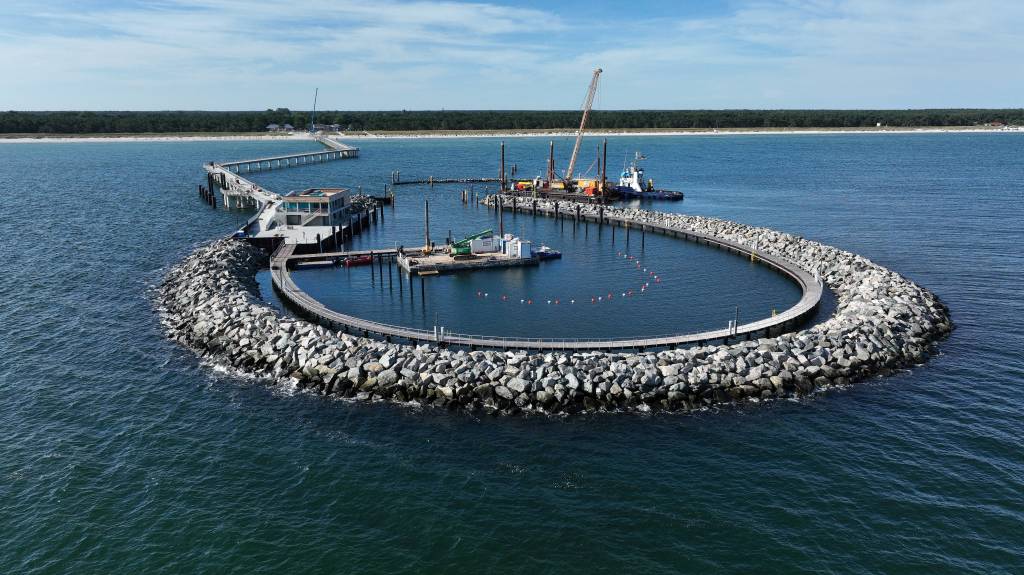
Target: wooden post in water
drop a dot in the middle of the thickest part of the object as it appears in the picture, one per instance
(501, 215)
(551, 161)
(604, 171)
(426, 223)
(501, 175)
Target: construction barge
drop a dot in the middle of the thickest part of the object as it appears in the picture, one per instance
(479, 251)
(568, 186)
(440, 261)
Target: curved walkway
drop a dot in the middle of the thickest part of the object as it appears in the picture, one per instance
(811, 288)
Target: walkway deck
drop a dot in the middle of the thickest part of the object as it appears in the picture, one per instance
(810, 287)
(335, 151)
(240, 192)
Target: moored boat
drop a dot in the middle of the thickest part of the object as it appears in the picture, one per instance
(353, 261)
(633, 185)
(546, 253)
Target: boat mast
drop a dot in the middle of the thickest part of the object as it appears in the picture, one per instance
(583, 124)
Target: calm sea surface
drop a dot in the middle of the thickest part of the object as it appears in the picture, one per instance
(121, 453)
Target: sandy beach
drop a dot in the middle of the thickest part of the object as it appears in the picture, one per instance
(295, 136)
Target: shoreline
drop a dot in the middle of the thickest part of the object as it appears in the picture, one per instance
(302, 136)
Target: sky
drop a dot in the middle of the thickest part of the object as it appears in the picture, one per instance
(527, 54)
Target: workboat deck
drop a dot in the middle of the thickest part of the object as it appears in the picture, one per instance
(443, 262)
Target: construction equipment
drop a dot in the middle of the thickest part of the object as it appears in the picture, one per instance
(463, 247)
(587, 103)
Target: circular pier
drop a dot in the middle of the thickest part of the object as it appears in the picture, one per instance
(882, 321)
(811, 291)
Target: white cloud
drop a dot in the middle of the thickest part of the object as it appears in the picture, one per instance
(230, 54)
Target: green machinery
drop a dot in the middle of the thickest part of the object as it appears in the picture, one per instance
(462, 247)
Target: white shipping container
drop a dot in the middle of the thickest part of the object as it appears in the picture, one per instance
(483, 245)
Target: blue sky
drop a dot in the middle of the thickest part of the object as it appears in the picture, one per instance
(530, 54)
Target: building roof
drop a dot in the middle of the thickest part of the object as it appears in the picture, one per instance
(315, 194)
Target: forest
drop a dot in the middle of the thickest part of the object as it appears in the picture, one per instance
(71, 122)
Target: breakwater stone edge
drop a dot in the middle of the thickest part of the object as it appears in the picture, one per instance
(210, 303)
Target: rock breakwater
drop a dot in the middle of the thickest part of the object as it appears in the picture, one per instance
(210, 303)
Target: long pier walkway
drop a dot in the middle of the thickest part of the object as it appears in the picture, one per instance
(811, 288)
(240, 192)
(335, 151)
(227, 175)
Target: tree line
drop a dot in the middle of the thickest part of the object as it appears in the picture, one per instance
(70, 122)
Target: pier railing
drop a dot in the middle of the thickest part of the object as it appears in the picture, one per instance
(811, 288)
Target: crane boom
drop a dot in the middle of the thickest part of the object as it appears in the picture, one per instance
(465, 241)
(583, 124)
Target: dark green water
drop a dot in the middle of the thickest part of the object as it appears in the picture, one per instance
(122, 454)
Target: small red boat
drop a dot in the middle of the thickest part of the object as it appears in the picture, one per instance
(353, 261)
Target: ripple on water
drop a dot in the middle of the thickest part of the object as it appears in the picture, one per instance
(118, 460)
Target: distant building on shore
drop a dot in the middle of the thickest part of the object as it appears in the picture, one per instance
(326, 127)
